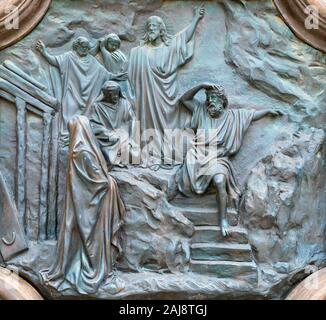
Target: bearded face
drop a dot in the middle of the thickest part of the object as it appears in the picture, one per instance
(82, 47)
(214, 105)
(153, 29)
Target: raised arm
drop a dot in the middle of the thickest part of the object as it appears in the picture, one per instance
(199, 15)
(269, 112)
(188, 98)
(104, 52)
(40, 47)
(106, 56)
(94, 51)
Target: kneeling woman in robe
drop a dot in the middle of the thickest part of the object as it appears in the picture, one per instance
(88, 243)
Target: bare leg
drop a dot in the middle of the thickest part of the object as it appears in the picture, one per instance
(220, 184)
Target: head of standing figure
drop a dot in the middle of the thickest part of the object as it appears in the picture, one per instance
(81, 46)
(112, 92)
(216, 101)
(113, 42)
(156, 31)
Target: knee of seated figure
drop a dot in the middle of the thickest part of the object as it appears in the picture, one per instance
(220, 180)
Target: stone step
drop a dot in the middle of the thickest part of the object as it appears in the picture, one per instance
(209, 216)
(226, 269)
(196, 202)
(205, 234)
(221, 252)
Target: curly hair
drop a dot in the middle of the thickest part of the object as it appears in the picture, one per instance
(220, 92)
(166, 37)
(78, 41)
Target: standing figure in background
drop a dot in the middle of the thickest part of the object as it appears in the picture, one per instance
(153, 74)
(116, 62)
(81, 77)
(220, 133)
(89, 242)
(77, 82)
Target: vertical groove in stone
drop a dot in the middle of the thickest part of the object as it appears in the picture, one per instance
(43, 213)
(21, 156)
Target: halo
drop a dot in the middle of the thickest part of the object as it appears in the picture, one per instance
(168, 23)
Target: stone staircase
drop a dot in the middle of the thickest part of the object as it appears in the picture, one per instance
(212, 254)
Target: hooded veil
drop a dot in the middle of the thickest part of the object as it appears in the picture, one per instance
(88, 242)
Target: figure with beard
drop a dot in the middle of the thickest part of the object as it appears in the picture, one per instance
(219, 135)
(153, 74)
(80, 79)
(77, 79)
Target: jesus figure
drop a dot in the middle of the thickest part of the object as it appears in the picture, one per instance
(153, 74)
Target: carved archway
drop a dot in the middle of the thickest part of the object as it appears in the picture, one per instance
(29, 13)
(312, 288)
(13, 287)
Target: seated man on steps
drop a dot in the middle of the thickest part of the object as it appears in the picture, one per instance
(219, 134)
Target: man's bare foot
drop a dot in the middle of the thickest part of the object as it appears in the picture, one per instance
(225, 228)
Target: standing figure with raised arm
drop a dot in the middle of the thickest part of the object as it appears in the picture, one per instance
(81, 77)
(115, 61)
(153, 74)
(219, 135)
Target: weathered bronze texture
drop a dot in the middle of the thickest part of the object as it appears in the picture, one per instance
(12, 237)
(89, 238)
(13, 287)
(311, 288)
(30, 13)
(214, 204)
(293, 13)
(220, 134)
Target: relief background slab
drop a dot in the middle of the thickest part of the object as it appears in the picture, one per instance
(246, 47)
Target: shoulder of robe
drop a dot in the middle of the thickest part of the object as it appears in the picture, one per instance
(126, 105)
(121, 53)
(135, 49)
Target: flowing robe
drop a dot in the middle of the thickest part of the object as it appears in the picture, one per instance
(109, 122)
(153, 75)
(116, 62)
(215, 141)
(81, 80)
(89, 240)
(78, 82)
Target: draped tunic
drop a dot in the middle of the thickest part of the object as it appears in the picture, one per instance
(214, 142)
(81, 80)
(109, 122)
(153, 75)
(116, 62)
(88, 242)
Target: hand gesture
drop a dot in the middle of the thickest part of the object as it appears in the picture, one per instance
(121, 76)
(64, 141)
(200, 12)
(113, 137)
(40, 46)
(102, 42)
(209, 86)
(276, 112)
